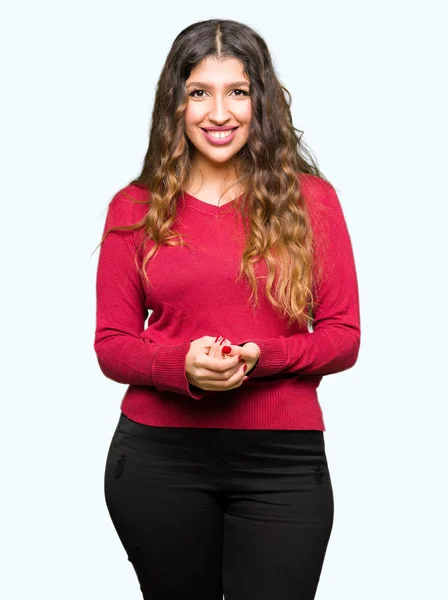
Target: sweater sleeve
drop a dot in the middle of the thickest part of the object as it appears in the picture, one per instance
(123, 354)
(334, 343)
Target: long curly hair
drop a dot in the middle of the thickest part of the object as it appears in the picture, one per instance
(276, 222)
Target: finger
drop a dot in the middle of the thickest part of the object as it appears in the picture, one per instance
(215, 368)
(227, 349)
(232, 381)
(237, 379)
(216, 347)
(217, 376)
(236, 351)
(222, 343)
(211, 345)
(215, 363)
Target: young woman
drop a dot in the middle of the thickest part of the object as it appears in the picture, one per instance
(216, 479)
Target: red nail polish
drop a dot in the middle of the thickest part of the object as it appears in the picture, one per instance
(217, 338)
(245, 368)
(245, 379)
(226, 349)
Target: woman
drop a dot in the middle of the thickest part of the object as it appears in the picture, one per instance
(216, 479)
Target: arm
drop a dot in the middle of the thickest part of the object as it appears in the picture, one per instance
(123, 354)
(333, 345)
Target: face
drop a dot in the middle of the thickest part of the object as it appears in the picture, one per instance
(219, 109)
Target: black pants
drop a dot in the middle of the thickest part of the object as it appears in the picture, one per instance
(203, 513)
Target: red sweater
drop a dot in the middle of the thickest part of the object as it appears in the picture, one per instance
(194, 293)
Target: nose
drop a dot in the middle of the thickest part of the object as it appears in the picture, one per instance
(219, 112)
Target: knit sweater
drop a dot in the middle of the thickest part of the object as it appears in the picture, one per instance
(194, 292)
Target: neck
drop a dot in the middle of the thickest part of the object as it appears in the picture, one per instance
(216, 178)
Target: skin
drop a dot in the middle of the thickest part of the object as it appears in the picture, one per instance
(209, 369)
(217, 102)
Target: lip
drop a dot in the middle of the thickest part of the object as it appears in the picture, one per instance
(223, 128)
(219, 142)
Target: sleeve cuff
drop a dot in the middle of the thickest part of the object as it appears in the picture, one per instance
(168, 371)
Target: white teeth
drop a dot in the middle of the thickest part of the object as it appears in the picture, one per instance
(219, 135)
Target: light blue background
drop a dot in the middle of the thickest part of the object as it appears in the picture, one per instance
(368, 81)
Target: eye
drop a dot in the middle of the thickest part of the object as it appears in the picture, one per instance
(195, 92)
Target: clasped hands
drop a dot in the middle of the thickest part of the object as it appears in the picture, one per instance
(209, 368)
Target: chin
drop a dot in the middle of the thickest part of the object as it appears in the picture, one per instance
(220, 159)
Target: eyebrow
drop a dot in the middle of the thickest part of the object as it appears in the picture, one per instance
(206, 85)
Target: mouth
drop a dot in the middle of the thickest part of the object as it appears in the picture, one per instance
(220, 136)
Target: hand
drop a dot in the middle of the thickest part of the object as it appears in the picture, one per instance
(250, 353)
(208, 368)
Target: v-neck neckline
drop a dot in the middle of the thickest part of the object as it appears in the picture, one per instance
(211, 209)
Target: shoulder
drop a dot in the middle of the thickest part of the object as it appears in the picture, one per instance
(128, 206)
(319, 197)
(315, 189)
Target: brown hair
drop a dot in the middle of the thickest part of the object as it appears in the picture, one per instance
(267, 166)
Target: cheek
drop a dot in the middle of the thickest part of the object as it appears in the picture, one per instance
(187, 119)
(192, 115)
(246, 113)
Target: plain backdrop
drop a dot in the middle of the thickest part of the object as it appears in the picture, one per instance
(368, 82)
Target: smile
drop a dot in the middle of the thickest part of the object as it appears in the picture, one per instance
(220, 137)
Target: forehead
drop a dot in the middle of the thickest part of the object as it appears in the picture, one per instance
(213, 70)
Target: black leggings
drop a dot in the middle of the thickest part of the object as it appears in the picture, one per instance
(203, 513)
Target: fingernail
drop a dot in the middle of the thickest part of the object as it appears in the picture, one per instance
(216, 339)
(245, 379)
(226, 349)
(240, 357)
(245, 368)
